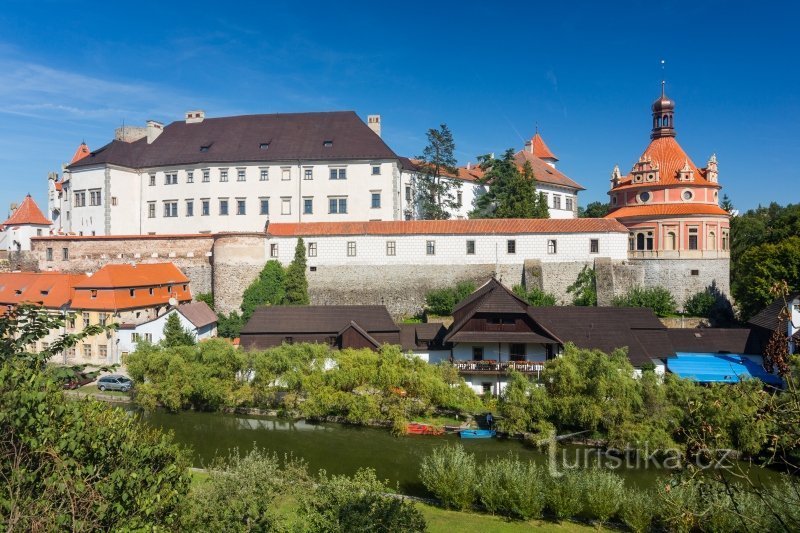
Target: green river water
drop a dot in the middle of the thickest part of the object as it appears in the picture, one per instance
(341, 449)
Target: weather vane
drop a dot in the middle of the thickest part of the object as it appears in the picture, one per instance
(663, 76)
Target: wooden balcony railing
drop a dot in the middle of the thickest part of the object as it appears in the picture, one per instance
(494, 366)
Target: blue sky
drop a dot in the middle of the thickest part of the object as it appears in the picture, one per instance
(586, 73)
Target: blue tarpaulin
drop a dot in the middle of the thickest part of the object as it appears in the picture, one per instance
(719, 368)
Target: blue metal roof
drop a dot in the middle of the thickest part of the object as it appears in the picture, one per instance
(719, 368)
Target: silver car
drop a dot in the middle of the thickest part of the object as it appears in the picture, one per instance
(115, 382)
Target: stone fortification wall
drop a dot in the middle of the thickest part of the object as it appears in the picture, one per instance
(685, 277)
(192, 254)
(238, 259)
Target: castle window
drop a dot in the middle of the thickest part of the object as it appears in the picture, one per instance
(286, 173)
(151, 210)
(189, 208)
(460, 198)
(205, 208)
(338, 173)
(671, 240)
(152, 180)
(470, 247)
(694, 272)
(551, 246)
(351, 248)
(477, 353)
(264, 175)
(264, 206)
(94, 197)
(286, 205)
(693, 238)
(273, 250)
(223, 207)
(80, 198)
(223, 174)
(725, 239)
(308, 173)
(569, 204)
(241, 174)
(189, 176)
(511, 246)
(206, 175)
(391, 248)
(644, 197)
(171, 178)
(241, 206)
(49, 254)
(65, 254)
(556, 201)
(594, 246)
(170, 209)
(408, 193)
(376, 200)
(712, 241)
(687, 195)
(312, 249)
(430, 248)
(376, 170)
(308, 206)
(640, 241)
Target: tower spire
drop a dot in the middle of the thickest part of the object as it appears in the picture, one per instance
(663, 112)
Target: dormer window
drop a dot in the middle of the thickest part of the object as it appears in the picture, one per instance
(263, 146)
(205, 148)
(327, 144)
(133, 293)
(151, 291)
(94, 293)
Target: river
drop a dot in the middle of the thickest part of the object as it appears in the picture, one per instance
(341, 449)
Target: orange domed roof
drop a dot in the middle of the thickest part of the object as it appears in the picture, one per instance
(667, 154)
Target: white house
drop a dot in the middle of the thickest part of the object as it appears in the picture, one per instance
(210, 175)
(24, 222)
(196, 317)
(560, 192)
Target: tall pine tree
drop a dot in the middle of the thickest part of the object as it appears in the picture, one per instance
(436, 194)
(296, 284)
(175, 334)
(511, 192)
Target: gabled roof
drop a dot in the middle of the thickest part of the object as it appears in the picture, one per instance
(423, 336)
(508, 226)
(198, 313)
(332, 319)
(667, 210)
(52, 290)
(540, 149)
(712, 340)
(27, 213)
(126, 275)
(543, 172)
(80, 153)
(337, 135)
(768, 317)
(361, 331)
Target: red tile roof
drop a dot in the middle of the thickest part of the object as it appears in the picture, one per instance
(136, 275)
(670, 157)
(540, 149)
(544, 172)
(27, 213)
(50, 289)
(666, 210)
(447, 227)
(80, 153)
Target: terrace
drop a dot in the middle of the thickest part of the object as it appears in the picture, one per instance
(489, 366)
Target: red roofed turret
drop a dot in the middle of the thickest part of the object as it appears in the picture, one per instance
(80, 153)
(27, 213)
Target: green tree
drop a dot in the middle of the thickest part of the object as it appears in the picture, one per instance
(267, 289)
(229, 326)
(535, 296)
(75, 465)
(726, 203)
(659, 299)
(295, 283)
(435, 192)
(584, 290)
(441, 302)
(512, 193)
(760, 268)
(594, 210)
(175, 334)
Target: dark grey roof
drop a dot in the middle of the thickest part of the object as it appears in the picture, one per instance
(712, 340)
(332, 319)
(289, 136)
(426, 336)
(198, 313)
(768, 317)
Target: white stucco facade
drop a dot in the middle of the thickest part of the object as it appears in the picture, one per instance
(153, 332)
(18, 238)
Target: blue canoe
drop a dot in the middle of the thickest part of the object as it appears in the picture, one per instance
(477, 433)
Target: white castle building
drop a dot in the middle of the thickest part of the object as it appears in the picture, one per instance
(210, 175)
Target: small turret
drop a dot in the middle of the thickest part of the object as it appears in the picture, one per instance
(663, 116)
(711, 169)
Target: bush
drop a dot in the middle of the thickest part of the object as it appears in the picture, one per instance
(700, 304)
(658, 299)
(344, 504)
(512, 488)
(564, 498)
(603, 492)
(450, 474)
(585, 288)
(442, 301)
(535, 297)
(637, 510)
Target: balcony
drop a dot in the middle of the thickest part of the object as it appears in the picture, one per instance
(493, 367)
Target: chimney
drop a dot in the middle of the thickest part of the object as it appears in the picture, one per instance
(529, 146)
(469, 165)
(374, 123)
(154, 129)
(193, 117)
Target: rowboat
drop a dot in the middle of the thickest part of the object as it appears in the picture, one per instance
(415, 428)
(477, 433)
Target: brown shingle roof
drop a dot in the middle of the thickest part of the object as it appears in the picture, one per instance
(275, 137)
(198, 313)
(426, 336)
(332, 319)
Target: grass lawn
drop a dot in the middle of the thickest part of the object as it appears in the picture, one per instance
(443, 521)
(92, 389)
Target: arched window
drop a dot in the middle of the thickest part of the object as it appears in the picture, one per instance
(640, 241)
(670, 244)
(712, 240)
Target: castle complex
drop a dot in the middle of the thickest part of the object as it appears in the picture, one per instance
(221, 196)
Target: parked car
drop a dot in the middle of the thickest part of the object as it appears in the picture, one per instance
(115, 382)
(78, 380)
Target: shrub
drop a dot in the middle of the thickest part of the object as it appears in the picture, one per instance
(700, 304)
(442, 301)
(603, 492)
(450, 474)
(534, 296)
(585, 288)
(564, 498)
(358, 503)
(512, 488)
(637, 510)
(658, 299)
